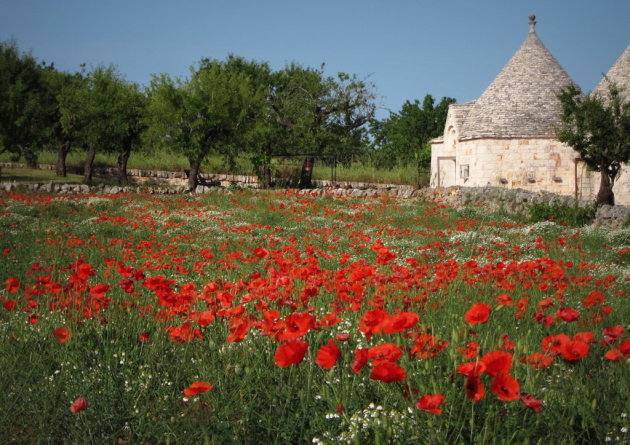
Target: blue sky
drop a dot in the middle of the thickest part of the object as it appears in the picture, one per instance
(407, 48)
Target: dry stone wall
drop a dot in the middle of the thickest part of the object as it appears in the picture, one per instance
(513, 201)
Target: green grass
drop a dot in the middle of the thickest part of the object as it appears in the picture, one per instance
(35, 176)
(328, 257)
(168, 161)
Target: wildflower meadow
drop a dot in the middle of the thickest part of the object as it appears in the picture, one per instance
(275, 317)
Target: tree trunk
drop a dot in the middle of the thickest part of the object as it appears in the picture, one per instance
(193, 174)
(30, 157)
(307, 173)
(265, 174)
(63, 147)
(87, 167)
(123, 157)
(605, 194)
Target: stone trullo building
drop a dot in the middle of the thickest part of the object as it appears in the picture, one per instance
(507, 137)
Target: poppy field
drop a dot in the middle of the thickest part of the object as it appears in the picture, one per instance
(274, 317)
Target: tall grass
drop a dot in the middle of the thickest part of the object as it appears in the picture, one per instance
(188, 256)
(169, 161)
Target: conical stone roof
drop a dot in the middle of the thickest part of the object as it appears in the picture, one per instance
(522, 101)
(619, 74)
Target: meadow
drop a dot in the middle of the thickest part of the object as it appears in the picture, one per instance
(214, 164)
(273, 317)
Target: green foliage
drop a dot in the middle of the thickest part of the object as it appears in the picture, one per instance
(598, 128)
(307, 112)
(200, 115)
(94, 109)
(23, 108)
(574, 215)
(404, 136)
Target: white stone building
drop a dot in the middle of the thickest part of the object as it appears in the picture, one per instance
(507, 137)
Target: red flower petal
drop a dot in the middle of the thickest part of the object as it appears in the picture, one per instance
(328, 355)
(197, 388)
(388, 372)
(478, 313)
(431, 403)
(291, 353)
(79, 404)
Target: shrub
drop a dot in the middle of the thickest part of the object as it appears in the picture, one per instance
(573, 215)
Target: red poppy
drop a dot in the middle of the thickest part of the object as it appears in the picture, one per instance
(361, 357)
(399, 322)
(291, 353)
(386, 352)
(371, 322)
(586, 337)
(84, 271)
(568, 314)
(261, 252)
(475, 390)
(574, 350)
(507, 343)
(613, 333)
(79, 404)
(9, 305)
(497, 362)
(63, 334)
(505, 300)
(127, 286)
(427, 345)
(202, 318)
(478, 313)
(431, 403)
(12, 285)
(538, 360)
(99, 290)
(296, 325)
(505, 387)
(594, 298)
(555, 343)
(144, 336)
(624, 347)
(470, 350)
(197, 388)
(388, 372)
(472, 368)
(529, 401)
(239, 327)
(328, 355)
(183, 333)
(614, 355)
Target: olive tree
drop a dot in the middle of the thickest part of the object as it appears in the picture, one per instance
(598, 128)
(197, 116)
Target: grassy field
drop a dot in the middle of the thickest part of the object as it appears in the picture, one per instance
(276, 318)
(164, 160)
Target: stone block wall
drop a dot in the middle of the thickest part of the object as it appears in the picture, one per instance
(532, 164)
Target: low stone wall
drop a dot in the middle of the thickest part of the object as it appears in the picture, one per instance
(514, 201)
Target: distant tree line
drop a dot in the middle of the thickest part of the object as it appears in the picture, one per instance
(232, 108)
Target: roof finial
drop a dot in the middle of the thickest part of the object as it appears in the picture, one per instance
(532, 22)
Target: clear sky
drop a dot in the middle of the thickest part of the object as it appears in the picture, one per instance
(407, 48)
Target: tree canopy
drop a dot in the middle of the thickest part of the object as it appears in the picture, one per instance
(196, 116)
(22, 103)
(229, 108)
(404, 136)
(101, 113)
(598, 128)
